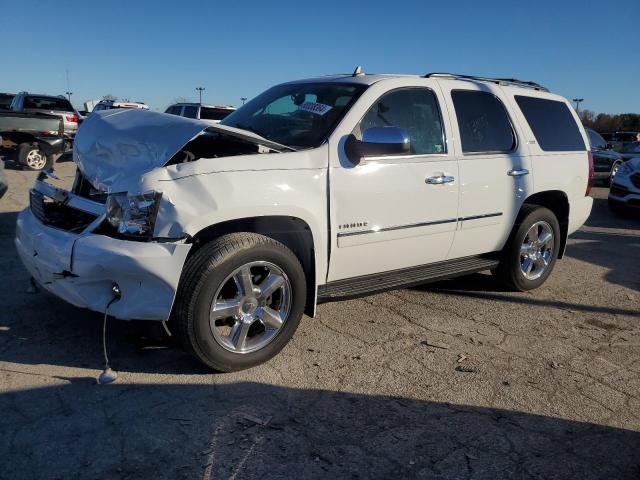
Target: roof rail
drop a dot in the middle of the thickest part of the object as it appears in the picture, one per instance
(499, 81)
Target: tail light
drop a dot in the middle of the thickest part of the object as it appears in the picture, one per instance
(590, 179)
(71, 118)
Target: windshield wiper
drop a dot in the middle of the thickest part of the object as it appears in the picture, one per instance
(249, 128)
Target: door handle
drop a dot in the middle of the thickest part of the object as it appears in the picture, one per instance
(439, 179)
(518, 172)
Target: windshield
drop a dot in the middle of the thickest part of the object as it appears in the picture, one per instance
(208, 113)
(298, 115)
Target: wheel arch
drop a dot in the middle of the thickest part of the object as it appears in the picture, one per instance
(558, 202)
(293, 232)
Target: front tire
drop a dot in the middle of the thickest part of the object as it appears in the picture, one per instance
(240, 300)
(532, 249)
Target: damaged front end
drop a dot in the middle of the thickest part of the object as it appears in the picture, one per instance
(59, 242)
(77, 244)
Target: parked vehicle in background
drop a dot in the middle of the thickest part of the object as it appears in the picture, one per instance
(630, 150)
(59, 106)
(111, 104)
(4, 185)
(209, 113)
(606, 161)
(5, 100)
(315, 190)
(619, 140)
(624, 193)
(35, 140)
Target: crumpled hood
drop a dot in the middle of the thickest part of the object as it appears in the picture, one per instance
(113, 149)
(120, 144)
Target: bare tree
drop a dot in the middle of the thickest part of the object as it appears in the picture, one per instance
(182, 100)
(108, 96)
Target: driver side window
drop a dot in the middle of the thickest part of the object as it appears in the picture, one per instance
(416, 111)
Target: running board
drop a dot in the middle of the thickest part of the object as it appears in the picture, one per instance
(406, 277)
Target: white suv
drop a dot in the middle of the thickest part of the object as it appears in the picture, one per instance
(315, 190)
(211, 114)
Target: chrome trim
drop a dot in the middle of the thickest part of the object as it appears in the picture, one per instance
(73, 200)
(477, 217)
(439, 179)
(397, 227)
(518, 172)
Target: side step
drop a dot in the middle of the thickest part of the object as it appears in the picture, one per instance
(406, 277)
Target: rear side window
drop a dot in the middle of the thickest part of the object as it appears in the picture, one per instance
(552, 124)
(174, 110)
(190, 111)
(483, 122)
(48, 103)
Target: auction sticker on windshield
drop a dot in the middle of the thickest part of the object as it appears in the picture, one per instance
(313, 107)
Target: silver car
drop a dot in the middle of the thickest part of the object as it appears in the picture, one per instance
(50, 104)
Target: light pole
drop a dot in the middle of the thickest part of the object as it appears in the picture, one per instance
(244, 99)
(578, 100)
(200, 90)
(69, 95)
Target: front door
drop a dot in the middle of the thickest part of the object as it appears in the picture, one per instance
(390, 212)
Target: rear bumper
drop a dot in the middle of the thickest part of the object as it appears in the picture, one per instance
(81, 269)
(579, 211)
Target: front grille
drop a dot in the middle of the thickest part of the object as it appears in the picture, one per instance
(58, 215)
(635, 179)
(83, 188)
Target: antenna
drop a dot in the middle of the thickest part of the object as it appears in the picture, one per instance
(357, 72)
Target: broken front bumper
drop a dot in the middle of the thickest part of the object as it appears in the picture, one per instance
(81, 269)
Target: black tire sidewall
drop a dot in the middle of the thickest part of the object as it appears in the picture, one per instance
(214, 354)
(512, 259)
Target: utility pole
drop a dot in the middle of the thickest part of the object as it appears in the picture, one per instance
(578, 100)
(200, 90)
(244, 99)
(69, 95)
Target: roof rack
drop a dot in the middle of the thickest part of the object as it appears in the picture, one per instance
(498, 81)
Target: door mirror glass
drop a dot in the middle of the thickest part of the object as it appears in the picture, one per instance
(377, 142)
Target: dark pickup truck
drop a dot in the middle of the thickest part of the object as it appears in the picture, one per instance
(35, 139)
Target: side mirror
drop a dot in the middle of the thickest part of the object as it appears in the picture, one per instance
(376, 142)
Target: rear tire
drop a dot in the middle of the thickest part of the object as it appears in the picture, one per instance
(230, 323)
(33, 158)
(532, 249)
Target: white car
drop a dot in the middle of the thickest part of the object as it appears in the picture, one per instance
(111, 104)
(210, 114)
(624, 193)
(313, 191)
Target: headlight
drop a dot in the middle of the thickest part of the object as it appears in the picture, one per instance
(625, 169)
(133, 214)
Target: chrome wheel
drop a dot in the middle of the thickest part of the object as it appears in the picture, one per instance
(536, 251)
(250, 307)
(36, 160)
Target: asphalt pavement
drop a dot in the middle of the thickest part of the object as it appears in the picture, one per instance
(458, 379)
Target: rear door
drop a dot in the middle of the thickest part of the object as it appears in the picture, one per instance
(384, 214)
(494, 168)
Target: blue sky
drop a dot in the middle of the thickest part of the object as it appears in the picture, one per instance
(157, 51)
